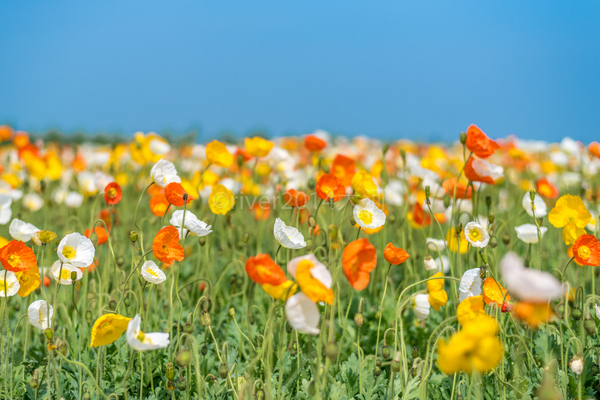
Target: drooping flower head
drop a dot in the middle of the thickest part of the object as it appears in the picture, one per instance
(141, 341)
(108, 328)
(359, 258)
(166, 247)
(17, 257)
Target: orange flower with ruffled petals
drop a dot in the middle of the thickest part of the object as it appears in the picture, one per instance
(166, 245)
(359, 258)
(175, 194)
(113, 193)
(17, 257)
(546, 189)
(329, 187)
(394, 255)
(159, 204)
(343, 168)
(462, 190)
(586, 250)
(313, 143)
(493, 292)
(295, 198)
(479, 143)
(262, 269)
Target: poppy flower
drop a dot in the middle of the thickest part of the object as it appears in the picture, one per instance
(258, 146)
(546, 189)
(17, 257)
(367, 215)
(462, 190)
(108, 328)
(359, 258)
(260, 212)
(77, 250)
(528, 284)
(63, 272)
(493, 292)
(221, 200)
(166, 247)
(594, 148)
(476, 235)
(42, 238)
(21, 230)
(264, 271)
(110, 216)
(457, 242)
(192, 223)
(478, 170)
(303, 314)
(288, 236)
(437, 295)
(328, 187)
(470, 309)
(217, 154)
(163, 173)
(470, 284)
(295, 198)
(313, 143)
(479, 143)
(159, 204)
(421, 306)
(313, 277)
(40, 314)
(29, 280)
(100, 232)
(395, 255)
(586, 250)
(570, 213)
(533, 314)
(141, 341)
(539, 205)
(528, 233)
(113, 193)
(418, 217)
(10, 283)
(151, 273)
(242, 153)
(343, 168)
(175, 194)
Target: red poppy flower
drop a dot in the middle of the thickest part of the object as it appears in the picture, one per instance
(313, 143)
(328, 187)
(359, 258)
(479, 143)
(113, 193)
(586, 250)
(175, 194)
(295, 198)
(15, 256)
(166, 245)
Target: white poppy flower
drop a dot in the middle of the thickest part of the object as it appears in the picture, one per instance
(302, 314)
(597, 310)
(430, 264)
(77, 250)
(141, 341)
(39, 315)
(435, 244)
(576, 365)
(21, 230)
(476, 235)
(65, 272)
(288, 236)
(538, 204)
(8, 280)
(33, 201)
(73, 200)
(87, 183)
(529, 284)
(443, 264)
(151, 273)
(159, 146)
(528, 233)
(421, 306)
(5, 210)
(163, 173)
(101, 180)
(14, 194)
(60, 195)
(485, 168)
(367, 215)
(470, 284)
(192, 223)
(318, 270)
(394, 193)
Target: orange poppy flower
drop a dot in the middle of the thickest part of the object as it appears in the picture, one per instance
(175, 193)
(546, 189)
(17, 257)
(261, 212)
(5, 133)
(79, 163)
(359, 258)
(586, 250)
(159, 204)
(479, 143)
(110, 216)
(313, 143)
(295, 198)
(113, 193)
(243, 153)
(100, 233)
(329, 187)
(493, 292)
(594, 148)
(263, 270)
(419, 217)
(21, 139)
(533, 314)
(153, 190)
(343, 168)
(395, 255)
(462, 190)
(166, 245)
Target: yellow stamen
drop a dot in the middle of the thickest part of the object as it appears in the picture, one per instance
(152, 272)
(584, 252)
(365, 216)
(69, 252)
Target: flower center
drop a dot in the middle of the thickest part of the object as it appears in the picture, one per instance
(65, 275)
(69, 252)
(14, 260)
(112, 193)
(41, 317)
(140, 336)
(584, 252)
(152, 272)
(365, 216)
(475, 235)
(3, 283)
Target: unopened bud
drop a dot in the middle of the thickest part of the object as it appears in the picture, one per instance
(331, 350)
(532, 194)
(120, 261)
(333, 232)
(493, 242)
(188, 328)
(112, 304)
(311, 184)
(505, 238)
(386, 352)
(483, 272)
(491, 218)
(126, 301)
(181, 383)
(246, 237)
(223, 370)
(358, 319)
(415, 352)
(88, 317)
(488, 201)
(133, 236)
(170, 371)
(204, 350)
(376, 371)
(183, 358)
(205, 318)
(590, 326)
(202, 240)
(232, 312)
(446, 202)
(576, 314)
(49, 332)
(73, 276)
(312, 222)
(170, 385)
(459, 228)
(309, 245)
(34, 383)
(463, 138)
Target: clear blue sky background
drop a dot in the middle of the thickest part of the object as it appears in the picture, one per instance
(422, 69)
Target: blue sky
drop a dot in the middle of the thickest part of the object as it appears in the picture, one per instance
(421, 69)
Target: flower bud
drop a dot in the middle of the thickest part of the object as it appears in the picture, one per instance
(246, 237)
(505, 238)
(223, 370)
(49, 332)
(181, 383)
(491, 218)
(202, 240)
(170, 371)
(430, 264)
(395, 366)
(260, 394)
(333, 232)
(493, 242)
(386, 352)
(488, 201)
(358, 319)
(112, 304)
(576, 364)
(413, 372)
(205, 318)
(188, 328)
(376, 371)
(446, 202)
(463, 138)
(183, 358)
(415, 352)
(312, 388)
(331, 350)
(204, 350)
(62, 347)
(309, 245)
(590, 326)
(459, 228)
(232, 280)
(391, 218)
(232, 312)
(73, 276)
(378, 362)
(352, 221)
(311, 184)
(576, 314)
(312, 222)
(170, 385)
(88, 317)
(483, 272)
(133, 236)
(34, 383)
(120, 260)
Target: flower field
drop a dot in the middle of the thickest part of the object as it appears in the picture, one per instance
(298, 268)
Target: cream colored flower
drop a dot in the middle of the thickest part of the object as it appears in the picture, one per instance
(8, 281)
(528, 233)
(141, 341)
(163, 173)
(39, 315)
(302, 314)
(22, 230)
(65, 272)
(367, 215)
(77, 250)
(288, 236)
(420, 304)
(151, 273)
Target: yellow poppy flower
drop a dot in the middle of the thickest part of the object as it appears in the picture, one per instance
(470, 309)
(217, 154)
(280, 292)
(310, 286)
(437, 295)
(363, 184)
(221, 200)
(258, 146)
(108, 328)
(570, 214)
(455, 245)
(3, 241)
(29, 281)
